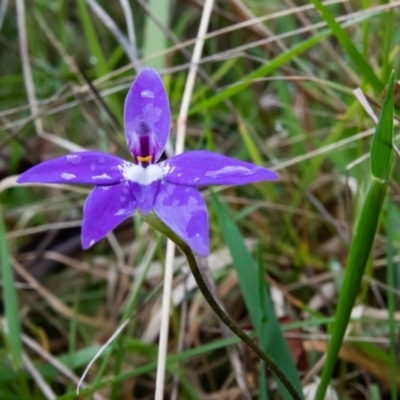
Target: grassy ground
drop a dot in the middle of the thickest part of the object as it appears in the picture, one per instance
(275, 87)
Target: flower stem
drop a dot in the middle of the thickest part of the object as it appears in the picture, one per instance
(153, 221)
(228, 321)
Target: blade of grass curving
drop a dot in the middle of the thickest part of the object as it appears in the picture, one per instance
(172, 359)
(11, 327)
(364, 233)
(268, 329)
(358, 60)
(148, 350)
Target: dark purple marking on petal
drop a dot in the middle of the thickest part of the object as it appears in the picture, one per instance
(104, 209)
(184, 211)
(147, 117)
(198, 168)
(86, 167)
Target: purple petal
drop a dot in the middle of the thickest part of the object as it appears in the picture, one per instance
(144, 183)
(87, 167)
(104, 209)
(184, 211)
(147, 116)
(145, 194)
(198, 168)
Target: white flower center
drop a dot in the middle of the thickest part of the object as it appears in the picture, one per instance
(138, 174)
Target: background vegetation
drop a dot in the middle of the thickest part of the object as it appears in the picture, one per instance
(275, 87)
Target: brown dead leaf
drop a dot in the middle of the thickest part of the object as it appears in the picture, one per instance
(356, 356)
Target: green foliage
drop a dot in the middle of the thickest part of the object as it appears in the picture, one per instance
(276, 90)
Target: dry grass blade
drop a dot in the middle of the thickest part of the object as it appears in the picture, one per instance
(39, 380)
(26, 67)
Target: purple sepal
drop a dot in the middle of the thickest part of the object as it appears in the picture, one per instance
(86, 167)
(147, 114)
(104, 209)
(145, 194)
(183, 210)
(198, 168)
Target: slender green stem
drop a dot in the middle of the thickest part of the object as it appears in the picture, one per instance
(153, 221)
(228, 321)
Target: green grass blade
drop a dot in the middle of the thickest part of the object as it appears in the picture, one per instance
(388, 39)
(267, 69)
(358, 60)
(101, 66)
(13, 331)
(251, 147)
(382, 143)
(262, 386)
(390, 280)
(360, 248)
(92, 40)
(155, 39)
(268, 329)
(263, 71)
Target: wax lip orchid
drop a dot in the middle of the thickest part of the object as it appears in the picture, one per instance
(167, 188)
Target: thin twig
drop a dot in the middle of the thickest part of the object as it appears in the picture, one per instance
(180, 142)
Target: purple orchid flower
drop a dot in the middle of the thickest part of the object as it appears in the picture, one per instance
(168, 188)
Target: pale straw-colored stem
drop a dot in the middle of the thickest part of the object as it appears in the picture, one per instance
(180, 142)
(43, 386)
(26, 66)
